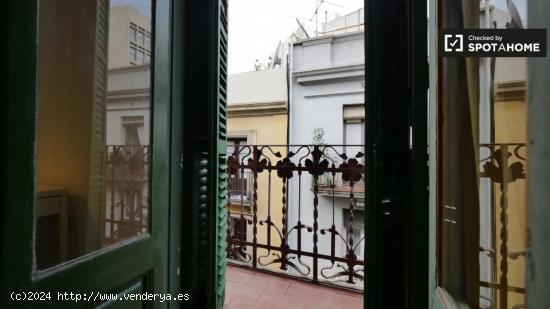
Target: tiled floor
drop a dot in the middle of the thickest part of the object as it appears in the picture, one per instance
(247, 289)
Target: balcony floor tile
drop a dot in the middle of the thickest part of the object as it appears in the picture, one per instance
(247, 288)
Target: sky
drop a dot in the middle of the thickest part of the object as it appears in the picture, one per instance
(521, 5)
(144, 6)
(257, 26)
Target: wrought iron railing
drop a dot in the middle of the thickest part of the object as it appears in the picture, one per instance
(302, 217)
(504, 166)
(126, 192)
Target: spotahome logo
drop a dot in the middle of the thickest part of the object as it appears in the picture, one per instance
(454, 43)
(492, 43)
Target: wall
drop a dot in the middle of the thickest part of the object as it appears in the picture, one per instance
(257, 87)
(257, 110)
(128, 95)
(264, 130)
(65, 97)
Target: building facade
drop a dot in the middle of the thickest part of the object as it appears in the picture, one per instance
(257, 115)
(129, 37)
(327, 108)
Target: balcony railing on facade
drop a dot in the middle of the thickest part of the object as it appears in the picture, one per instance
(297, 210)
(502, 190)
(126, 188)
(293, 209)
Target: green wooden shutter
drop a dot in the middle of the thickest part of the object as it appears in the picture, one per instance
(204, 152)
(221, 151)
(97, 142)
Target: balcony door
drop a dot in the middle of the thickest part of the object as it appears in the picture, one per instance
(86, 202)
(396, 211)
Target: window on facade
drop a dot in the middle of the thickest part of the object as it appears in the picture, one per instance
(354, 127)
(239, 180)
(354, 230)
(238, 229)
(140, 57)
(132, 53)
(140, 37)
(133, 32)
(482, 228)
(133, 126)
(354, 133)
(148, 41)
(92, 149)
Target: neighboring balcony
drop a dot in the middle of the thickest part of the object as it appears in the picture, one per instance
(126, 186)
(295, 218)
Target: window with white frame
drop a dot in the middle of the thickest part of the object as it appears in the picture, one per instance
(354, 128)
(132, 126)
(354, 232)
(133, 32)
(141, 37)
(132, 53)
(239, 182)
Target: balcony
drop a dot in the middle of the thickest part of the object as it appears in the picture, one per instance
(296, 212)
(126, 192)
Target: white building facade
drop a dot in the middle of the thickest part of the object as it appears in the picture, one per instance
(327, 100)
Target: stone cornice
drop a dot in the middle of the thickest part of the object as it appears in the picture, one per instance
(511, 91)
(330, 73)
(257, 109)
(130, 68)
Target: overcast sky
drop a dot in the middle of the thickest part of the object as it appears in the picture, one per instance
(520, 4)
(256, 26)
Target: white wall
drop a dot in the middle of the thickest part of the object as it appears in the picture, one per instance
(128, 95)
(327, 73)
(257, 87)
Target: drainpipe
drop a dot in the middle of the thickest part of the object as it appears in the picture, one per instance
(288, 61)
(288, 77)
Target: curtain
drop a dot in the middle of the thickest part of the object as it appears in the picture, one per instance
(132, 136)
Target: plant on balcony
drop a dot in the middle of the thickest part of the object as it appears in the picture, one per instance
(327, 179)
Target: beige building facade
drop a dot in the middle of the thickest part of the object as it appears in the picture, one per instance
(129, 37)
(257, 115)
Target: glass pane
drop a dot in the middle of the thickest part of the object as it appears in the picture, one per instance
(140, 57)
(133, 32)
(483, 151)
(94, 127)
(132, 54)
(140, 38)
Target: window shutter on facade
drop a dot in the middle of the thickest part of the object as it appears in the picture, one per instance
(222, 148)
(97, 149)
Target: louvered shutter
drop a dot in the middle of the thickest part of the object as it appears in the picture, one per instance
(97, 149)
(221, 151)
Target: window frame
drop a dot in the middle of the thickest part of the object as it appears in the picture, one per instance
(149, 261)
